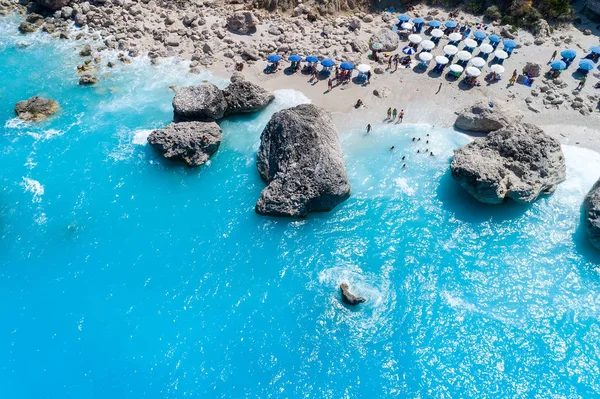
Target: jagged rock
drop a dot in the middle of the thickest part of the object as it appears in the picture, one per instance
(382, 92)
(26, 27)
(354, 23)
(199, 103)
(243, 22)
(518, 161)
(36, 108)
(387, 38)
(88, 80)
(86, 51)
(533, 68)
(592, 214)
(301, 159)
(483, 118)
(190, 142)
(54, 4)
(349, 298)
(359, 46)
(243, 96)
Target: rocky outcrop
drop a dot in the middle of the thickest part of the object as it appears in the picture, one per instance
(301, 159)
(481, 117)
(243, 97)
(36, 108)
(190, 142)
(242, 22)
(199, 103)
(532, 68)
(387, 38)
(88, 80)
(519, 161)
(591, 206)
(54, 4)
(349, 298)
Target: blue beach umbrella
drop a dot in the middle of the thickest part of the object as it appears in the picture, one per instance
(558, 65)
(586, 65)
(450, 24)
(312, 58)
(295, 58)
(509, 43)
(494, 38)
(568, 54)
(418, 21)
(409, 50)
(328, 63)
(348, 66)
(435, 23)
(479, 34)
(274, 58)
(403, 18)
(595, 49)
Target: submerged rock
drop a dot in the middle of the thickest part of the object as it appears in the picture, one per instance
(242, 96)
(519, 161)
(88, 80)
(483, 118)
(190, 142)
(301, 159)
(592, 214)
(349, 298)
(199, 103)
(36, 108)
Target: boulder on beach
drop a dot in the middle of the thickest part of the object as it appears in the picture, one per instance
(532, 68)
(190, 142)
(36, 108)
(199, 103)
(349, 298)
(243, 22)
(591, 206)
(519, 161)
(301, 159)
(388, 38)
(243, 97)
(54, 4)
(482, 117)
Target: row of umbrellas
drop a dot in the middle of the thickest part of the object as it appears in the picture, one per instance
(470, 43)
(327, 63)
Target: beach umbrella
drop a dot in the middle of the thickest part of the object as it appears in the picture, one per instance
(435, 23)
(470, 43)
(568, 54)
(486, 48)
(311, 58)
(328, 63)
(586, 65)
(274, 58)
(425, 57)
(427, 45)
(479, 34)
(501, 54)
(472, 71)
(416, 39)
(376, 46)
(494, 38)
(418, 21)
(407, 26)
(294, 58)
(509, 44)
(450, 49)
(455, 37)
(456, 68)
(558, 65)
(363, 68)
(409, 50)
(478, 62)
(595, 49)
(437, 33)
(440, 59)
(463, 55)
(499, 69)
(347, 66)
(450, 24)
(403, 18)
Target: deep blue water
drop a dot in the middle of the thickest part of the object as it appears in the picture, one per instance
(125, 276)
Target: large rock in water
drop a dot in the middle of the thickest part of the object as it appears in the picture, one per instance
(54, 4)
(301, 159)
(592, 214)
(243, 22)
(199, 103)
(387, 38)
(483, 118)
(242, 96)
(190, 142)
(349, 298)
(519, 161)
(36, 108)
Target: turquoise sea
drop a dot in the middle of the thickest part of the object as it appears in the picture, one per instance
(126, 276)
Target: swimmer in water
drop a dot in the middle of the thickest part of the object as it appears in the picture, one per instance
(413, 139)
(418, 151)
(392, 148)
(419, 139)
(403, 157)
(431, 154)
(403, 166)
(427, 142)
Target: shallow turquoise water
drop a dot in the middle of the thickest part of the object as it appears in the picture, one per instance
(125, 276)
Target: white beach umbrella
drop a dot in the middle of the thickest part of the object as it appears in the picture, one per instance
(363, 68)
(450, 49)
(437, 33)
(470, 43)
(425, 57)
(463, 55)
(407, 26)
(486, 48)
(440, 59)
(427, 44)
(501, 54)
(478, 62)
(455, 37)
(456, 68)
(472, 71)
(499, 69)
(416, 39)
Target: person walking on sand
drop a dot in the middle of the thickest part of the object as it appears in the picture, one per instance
(389, 113)
(368, 76)
(553, 56)
(330, 85)
(368, 128)
(390, 63)
(581, 84)
(513, 78)
(401, 116)
(394, 113)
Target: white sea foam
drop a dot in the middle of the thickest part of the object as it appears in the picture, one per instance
(140, 137)
(582, 172)
(46, 134)
(402, 184)
(34, 187)
(287, 98)
(16, 123)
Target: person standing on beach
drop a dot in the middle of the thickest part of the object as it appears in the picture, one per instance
(368, 76)
(396, 62)
(394, 113)
(553, 56)
(401, 116)
(390, 63)
(513, 78)
(330, 85)
(581, 84)
(389, 113)
(368, 128)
